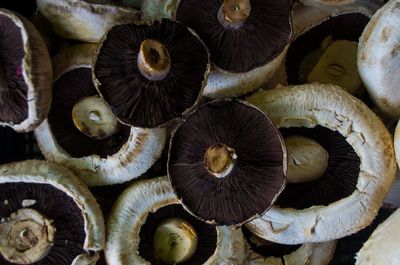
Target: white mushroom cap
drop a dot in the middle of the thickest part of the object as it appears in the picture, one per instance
(130, 213)
(329, 106)
(379, 58)
(136, 156)
(383, 246)
(42, 172)
(37, 73)
(84, 20)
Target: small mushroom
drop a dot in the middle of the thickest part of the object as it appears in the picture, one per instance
(63, 226)
(148, 226)
(82, 133)
(25, 74)
(379, 58)
(361, 165)
(227, 162)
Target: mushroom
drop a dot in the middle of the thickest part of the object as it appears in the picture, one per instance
(12, 145)
(147, 225)
(84, 20)
(82, 133)
(383, 246)
(152, 72)
(379, 58)
(227, 162)
(48, 216)
(361, 165)
(25, 74)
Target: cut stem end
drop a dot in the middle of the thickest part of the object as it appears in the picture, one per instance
(154, 61)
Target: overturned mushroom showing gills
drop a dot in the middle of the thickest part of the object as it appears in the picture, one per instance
(83, 134)
(379, 58)
(151, 73)
(227, 162)
(148, 226)
(48, 216)
(25, 74)
(361, 165)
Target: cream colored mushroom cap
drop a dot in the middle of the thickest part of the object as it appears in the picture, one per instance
(41, 172)
(383, 246)
(136, 156)
(37, 73)
(84, 20)
(130, 212)
(329, 106)
(378, 58)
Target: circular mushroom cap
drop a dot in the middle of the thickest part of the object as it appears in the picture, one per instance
(379, 58)
(59, 197)
(328, 106)
(25, 74)
(133, 97)
(251, 178)
(260, 37)
(128, 232)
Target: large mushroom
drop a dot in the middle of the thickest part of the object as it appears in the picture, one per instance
(25, 73)
(148, 226)
(360, 168)
(48, 216)
(82, 133)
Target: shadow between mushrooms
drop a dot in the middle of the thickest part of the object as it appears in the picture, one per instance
(347, 196)
(48, 216)
(83, 134)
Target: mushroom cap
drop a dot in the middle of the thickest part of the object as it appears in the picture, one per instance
(331, 107)
(41, 172)
(136, 156)
(148, 196)
(84, 20)
(36, 71)
(379, 58)
(383, 246)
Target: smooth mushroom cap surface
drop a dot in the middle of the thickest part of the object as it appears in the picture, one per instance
(124, 224)
(331, 107)
(379, 58)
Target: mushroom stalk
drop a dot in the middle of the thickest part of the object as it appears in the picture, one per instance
(233, 13)
(154, 61)
(219, 160)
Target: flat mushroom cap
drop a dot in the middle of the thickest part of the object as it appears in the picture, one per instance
(29, 81)
(383, 246)
(379, 58)
(84, 20)
(41, 172)
(145, 197)
(331, 107)
(139, 151)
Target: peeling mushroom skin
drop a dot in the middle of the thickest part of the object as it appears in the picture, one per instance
(25, 74)
(331, 107)
(379, 58)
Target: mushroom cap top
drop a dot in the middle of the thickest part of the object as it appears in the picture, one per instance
(383, 246)
(123, 225)
(379, 58)
(329, 106)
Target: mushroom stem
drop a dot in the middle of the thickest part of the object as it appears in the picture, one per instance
(233, 13)
(175, 241)
(154, 61)
(219, 160)
(307, 159)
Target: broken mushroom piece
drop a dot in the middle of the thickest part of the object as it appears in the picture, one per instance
(379, 58)
(361, 165)
(84, 20)
(83, 134)
(48, 216)
(151, 73)
(25, 74)
(227, 162)
(147, 225)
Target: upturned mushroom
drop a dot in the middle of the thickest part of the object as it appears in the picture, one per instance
(148, 226)
(360, 170)
(48, 216)
(82, 133)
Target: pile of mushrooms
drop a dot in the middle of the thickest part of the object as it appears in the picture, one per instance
(244, 132)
